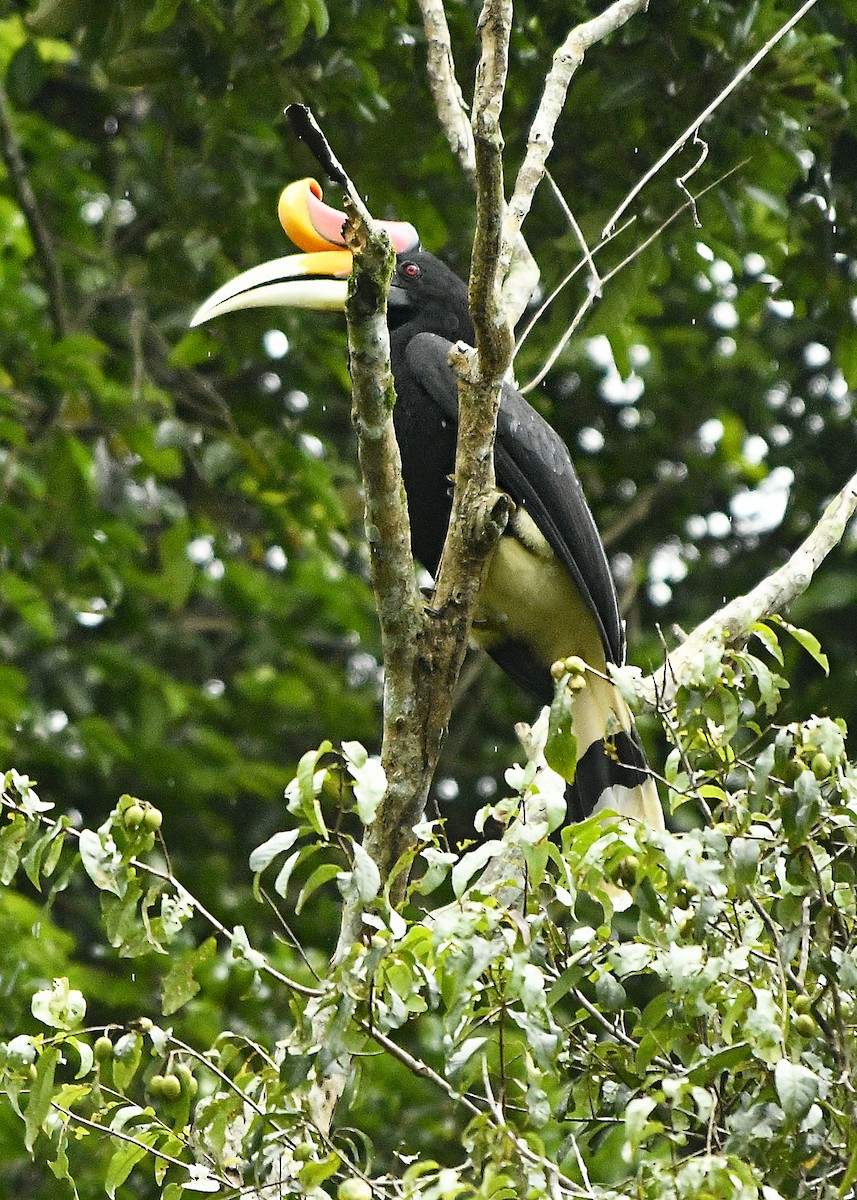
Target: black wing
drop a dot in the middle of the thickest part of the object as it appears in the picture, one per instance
(533, 465)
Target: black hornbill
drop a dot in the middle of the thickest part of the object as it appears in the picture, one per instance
(548, 593)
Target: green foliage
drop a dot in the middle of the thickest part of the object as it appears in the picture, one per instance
(646, 1013)
(184, 610)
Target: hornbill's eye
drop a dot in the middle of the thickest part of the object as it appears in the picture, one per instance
(411, 270)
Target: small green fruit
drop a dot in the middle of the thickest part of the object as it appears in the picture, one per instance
(804, 1025)
(820, 765)
(153, 819)
(354, 1189)
(133, 816)
(187, 1079)
(171, 1088)
(103, 1049)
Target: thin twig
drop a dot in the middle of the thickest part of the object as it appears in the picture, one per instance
(732, 624)
(42, 239)
(706, 112)
(590, 298)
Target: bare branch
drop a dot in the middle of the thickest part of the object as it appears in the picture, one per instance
(733, 623)
(711, 108)
(479, 512)
(445, 88)
(42, 240)
(591, 296)
(566, 60)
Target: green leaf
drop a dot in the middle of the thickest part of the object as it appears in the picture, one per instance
(25, 75)
(809, 642)
(797, 1088)
(12, 836)
(161, 15)
(177, 570)
(561, 745)
(41, 1093)
(320, 17)
(317, 879)
(29, 603)
(472, 862)
(365, 875)
(126, 1157)
(370, 782)
(179, 985)
(127, 1052)
(101, 862)
(265, 854)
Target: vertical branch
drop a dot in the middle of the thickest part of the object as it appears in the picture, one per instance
(45, 251)
(566, 60)
(478, 514)
(445, 88)
(397, 600)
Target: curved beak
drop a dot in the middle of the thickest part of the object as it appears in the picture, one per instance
(317, 279)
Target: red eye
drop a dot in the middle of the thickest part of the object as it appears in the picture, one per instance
(412, 270)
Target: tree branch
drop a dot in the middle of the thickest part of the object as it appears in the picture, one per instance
(42, 240)
(706, 112)
(400, 609)
(445, 88)
(732, 624)
(566, 60)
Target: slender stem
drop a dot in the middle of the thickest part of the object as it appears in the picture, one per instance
(45, 249)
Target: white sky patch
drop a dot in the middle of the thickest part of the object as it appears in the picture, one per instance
(201, 550)
(276, 558)
(755, 449)
(276, 343)
(754, 264)
(311, 445)
(94, 613)
(720, 271)
(761, 509)
(724, 315)
(269, 382)
(296, 401)
(816, 355)
(719, 525)
(613, 388)
(781, 308)
(709, 434)
(590, 439)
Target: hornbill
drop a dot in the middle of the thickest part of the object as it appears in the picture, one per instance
(548, 593)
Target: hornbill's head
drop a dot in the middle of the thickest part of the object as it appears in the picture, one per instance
(315, 279)
(424, 293)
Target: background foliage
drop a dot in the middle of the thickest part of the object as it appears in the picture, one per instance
(183, 604)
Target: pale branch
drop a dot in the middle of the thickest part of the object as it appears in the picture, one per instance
(566, 60)
(445, 88)
(523, 272)
(397, 599)
(42, 240)
(732, 624)
(590, 297)
(698, 121)
(493, 337)
(479, 512)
